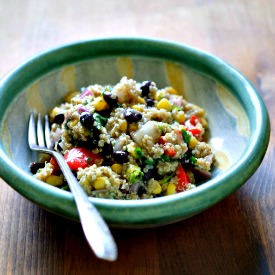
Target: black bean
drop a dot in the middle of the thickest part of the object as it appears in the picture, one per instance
(107, 162)
(105, 113)
(155, 175)
(110, 98)
(95, 133)
(87, 120)
(145, 88)
(141, 190)
(120, 156)
(35, 166)
(150, 102)
(148, 174)
(132, 115)
(59, 118)
(107, 149)
(91, 141)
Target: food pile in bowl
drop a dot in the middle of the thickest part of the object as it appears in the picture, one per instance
(127, 141)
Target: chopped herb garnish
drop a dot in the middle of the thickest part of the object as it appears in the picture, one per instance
(138, 153)
(136, 177)
(149, 162)
(100, 120)
(175, 107)
(134, 174)
(165, 158)
(193, 160)
(186, 136)
(167, 178)
(142, 158)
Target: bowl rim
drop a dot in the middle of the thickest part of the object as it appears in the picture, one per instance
(196, 59)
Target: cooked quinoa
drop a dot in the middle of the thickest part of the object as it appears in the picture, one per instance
(129, 141)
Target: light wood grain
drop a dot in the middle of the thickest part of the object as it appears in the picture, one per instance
(237, 235)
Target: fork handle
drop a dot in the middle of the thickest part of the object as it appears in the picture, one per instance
(95, 228)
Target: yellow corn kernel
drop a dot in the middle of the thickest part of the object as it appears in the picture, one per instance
(164, 104)
(180, 117)
(193, 142)
(123, 125)
(55, 111)
(171, 189)
(132, 127)
(131, 149)
(138, 108)
(117, 168)
(100, 183)
(70, 95)
(172, 91)
(73, 121)
(141, 100)
(54, 180)
(157, 188)
(100, 104)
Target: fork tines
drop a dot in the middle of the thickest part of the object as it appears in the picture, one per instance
(39, 135)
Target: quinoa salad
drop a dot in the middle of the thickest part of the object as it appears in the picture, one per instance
(131, 140)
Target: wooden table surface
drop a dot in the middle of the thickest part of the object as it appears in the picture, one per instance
(236, 236)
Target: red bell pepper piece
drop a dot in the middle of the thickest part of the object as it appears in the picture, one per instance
(191, 125)
(81, 158)
(161, 140)
(195, 131)
(194, 120)
(170, 151)
(55, 165)
(183, 179)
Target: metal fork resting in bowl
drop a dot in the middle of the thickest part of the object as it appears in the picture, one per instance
(95, 229)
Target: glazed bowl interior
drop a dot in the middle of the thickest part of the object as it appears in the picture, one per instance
(236, 114)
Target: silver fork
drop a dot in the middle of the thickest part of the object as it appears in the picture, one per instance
(95, 229)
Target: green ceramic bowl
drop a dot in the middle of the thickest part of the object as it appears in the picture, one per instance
(237, 118)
